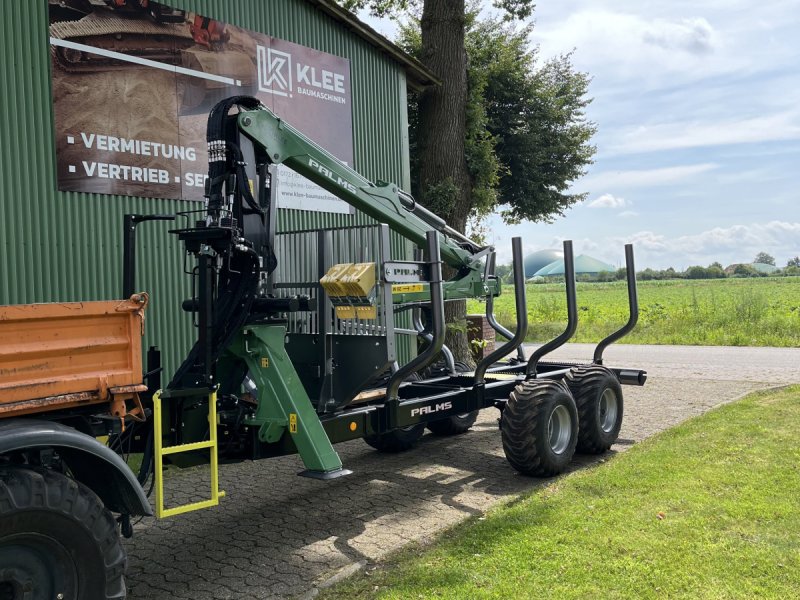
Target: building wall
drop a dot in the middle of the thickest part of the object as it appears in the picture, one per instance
(65, 246)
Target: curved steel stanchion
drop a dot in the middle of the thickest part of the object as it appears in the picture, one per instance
(633, 308)
(447, 354)
(429, 354)
(522, 315)
(572, 312)
(490, 309)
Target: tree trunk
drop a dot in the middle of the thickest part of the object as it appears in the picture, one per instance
(442, 132)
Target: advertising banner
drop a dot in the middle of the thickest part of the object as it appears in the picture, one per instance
(133, 82)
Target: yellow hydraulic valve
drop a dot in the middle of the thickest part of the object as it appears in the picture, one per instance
(359, 279)
(350, 287)
(330, 281)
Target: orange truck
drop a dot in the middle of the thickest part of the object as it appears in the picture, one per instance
(69, 373)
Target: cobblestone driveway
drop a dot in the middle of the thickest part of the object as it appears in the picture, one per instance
(277, 535)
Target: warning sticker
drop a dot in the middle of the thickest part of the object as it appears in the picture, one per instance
(407, 288)
(292, 423)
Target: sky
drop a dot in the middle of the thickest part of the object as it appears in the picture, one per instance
(698, 146)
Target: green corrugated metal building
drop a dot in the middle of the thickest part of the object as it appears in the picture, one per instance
(67, 246)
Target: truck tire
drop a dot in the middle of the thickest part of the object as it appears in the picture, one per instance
(539, 427)
(397, 440)
(453, 425)
(57, 540)
(598, 397)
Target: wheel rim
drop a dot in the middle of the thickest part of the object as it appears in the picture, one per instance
(559, 429)
(609, 407)
(36, 566)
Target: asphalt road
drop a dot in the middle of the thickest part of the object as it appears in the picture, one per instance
(276, 535)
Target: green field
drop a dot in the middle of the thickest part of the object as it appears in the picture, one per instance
(716, 312)
(705, 510)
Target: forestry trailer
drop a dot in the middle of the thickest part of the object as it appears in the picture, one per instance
(296, 350)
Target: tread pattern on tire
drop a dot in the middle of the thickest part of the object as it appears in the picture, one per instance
(524, 442)
(585, 384)
(27, 489)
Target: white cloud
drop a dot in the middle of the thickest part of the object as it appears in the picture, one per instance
(645, 177)
(694, 35)
(738, 243)
(579, 246)
(772, 234)
(608, 201)
(628, 213)
(780, 126)
(630, 44)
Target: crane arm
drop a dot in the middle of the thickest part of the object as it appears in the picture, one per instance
(384, 202)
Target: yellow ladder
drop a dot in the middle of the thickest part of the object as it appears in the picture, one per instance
(162, 451)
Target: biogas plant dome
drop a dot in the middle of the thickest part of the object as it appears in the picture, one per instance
(536, 260)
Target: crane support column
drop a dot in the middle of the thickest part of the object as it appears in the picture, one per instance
(282, 400)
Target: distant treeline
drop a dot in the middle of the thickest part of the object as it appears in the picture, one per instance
(713, 271)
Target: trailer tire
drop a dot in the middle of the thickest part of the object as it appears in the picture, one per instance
(539, 427)
(598, 397)
(56, 537)
(453, 425)
(456, 424)
(397, 440)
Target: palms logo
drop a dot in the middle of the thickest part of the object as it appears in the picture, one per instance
(274, 71)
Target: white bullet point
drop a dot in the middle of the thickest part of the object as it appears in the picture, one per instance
(177, 180)
(72, 168)
(70, 139)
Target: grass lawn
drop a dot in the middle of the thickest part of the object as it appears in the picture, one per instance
(716, 312)
(710, 509)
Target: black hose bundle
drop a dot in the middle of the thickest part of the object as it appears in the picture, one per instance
(237, 279)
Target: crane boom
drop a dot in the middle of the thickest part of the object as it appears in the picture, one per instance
(384, 202)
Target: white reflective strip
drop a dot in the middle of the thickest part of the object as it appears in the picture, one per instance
(143, 61)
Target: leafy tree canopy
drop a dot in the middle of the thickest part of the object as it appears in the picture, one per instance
(527, 136)
(764, 258)
(516, 9)
(793, 262)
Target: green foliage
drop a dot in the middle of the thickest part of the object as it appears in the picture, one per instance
(793, 262)
(764, 258)
(705, 510)
(379, 8)
(527, 135)
(744, 270)
(543, 137)
(763, 311)
(505, 273)
(441, 197)
(514, 9)
(715, 271)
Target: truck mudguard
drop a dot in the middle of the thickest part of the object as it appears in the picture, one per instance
(90, 462)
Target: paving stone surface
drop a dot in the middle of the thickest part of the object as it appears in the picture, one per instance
(277, 535)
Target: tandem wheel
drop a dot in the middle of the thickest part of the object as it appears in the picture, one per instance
(539, 427)
(598, 398)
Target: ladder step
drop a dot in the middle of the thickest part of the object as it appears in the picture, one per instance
(160, 452)
(185, 508)
(187, 447)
